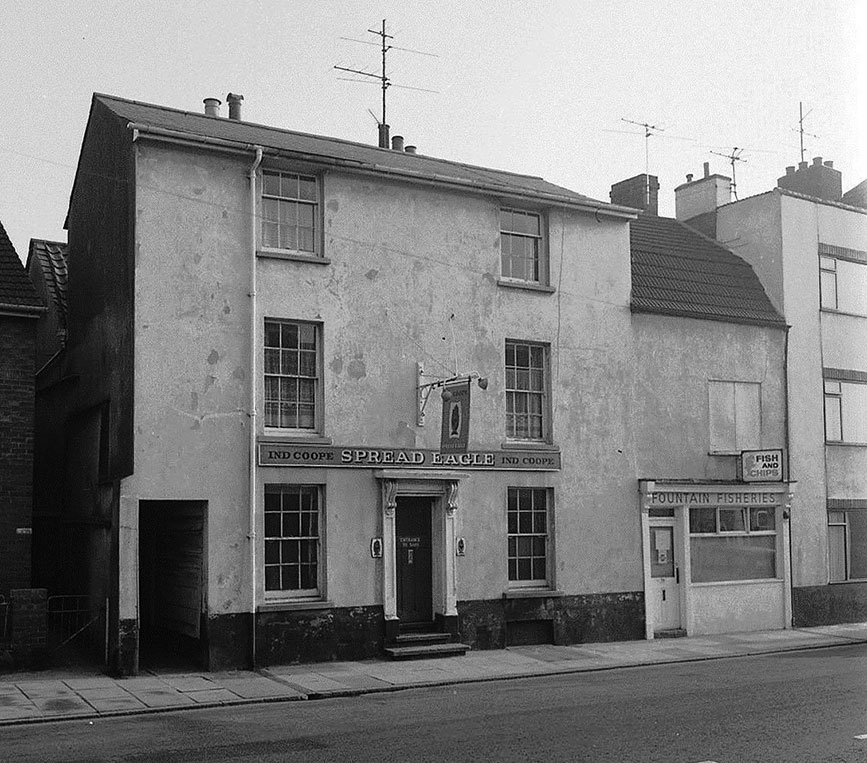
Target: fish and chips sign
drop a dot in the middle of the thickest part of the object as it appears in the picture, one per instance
(275, 454)
(762, 465)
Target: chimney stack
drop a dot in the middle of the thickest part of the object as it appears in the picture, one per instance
(694, 198)
(639, 192)
(234, 102)
(212, 107)
(819, 180)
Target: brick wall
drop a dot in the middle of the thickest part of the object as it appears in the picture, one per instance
(17, 350)
(29, 621)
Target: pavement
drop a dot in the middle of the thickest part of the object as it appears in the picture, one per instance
(54, 695)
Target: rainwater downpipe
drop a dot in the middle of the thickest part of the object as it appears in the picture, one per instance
(254, 382)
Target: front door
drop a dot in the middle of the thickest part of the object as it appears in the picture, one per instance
(413, 538)
(664, 577)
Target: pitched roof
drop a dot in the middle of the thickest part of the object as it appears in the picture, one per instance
(678, 271)
(350, 155)
(51, 259)
(16, 291)
(857, 196)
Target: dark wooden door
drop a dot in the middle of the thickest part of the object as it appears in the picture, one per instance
(414, 588)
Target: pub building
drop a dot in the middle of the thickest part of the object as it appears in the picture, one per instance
(323, 400)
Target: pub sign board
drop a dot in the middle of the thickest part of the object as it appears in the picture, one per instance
(281, 454)
(762, 465)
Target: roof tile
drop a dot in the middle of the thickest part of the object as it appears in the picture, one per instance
(15, 287)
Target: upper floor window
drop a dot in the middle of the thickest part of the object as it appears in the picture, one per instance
(292, 363)
(522, 246)
(845, 411)
(843, 285)
(828, 282)
(290, 212)
(527, 416)
(734, 416)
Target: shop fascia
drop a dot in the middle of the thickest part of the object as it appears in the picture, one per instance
(282, 454)
(659, 495)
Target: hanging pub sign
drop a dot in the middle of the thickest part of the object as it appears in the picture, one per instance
(456, 418)
(762, 465)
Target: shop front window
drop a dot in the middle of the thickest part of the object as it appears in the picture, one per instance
(733, 543)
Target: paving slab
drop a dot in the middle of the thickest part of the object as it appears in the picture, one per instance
(256, 687)
(187, 682)
(116, 704)
(213, 696)
(156, 698)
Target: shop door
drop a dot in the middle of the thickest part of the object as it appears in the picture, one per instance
(413, 538)
(664, 577)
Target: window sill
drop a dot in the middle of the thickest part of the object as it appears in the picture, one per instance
(285, 605)
(526, 286)
(532, 593)
(279, 254)
(840, 443)
(834, 311)
(750, 581)
(278, 436)
(529, 445)
(847, 582)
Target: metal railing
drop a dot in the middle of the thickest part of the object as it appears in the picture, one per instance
(71, 616)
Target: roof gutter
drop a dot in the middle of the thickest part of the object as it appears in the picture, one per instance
(140, 129)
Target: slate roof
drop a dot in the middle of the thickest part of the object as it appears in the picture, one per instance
(16, 291)
(678, 271)
(51, 258)
(351, 155)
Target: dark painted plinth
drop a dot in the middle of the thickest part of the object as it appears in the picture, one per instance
(228, 643)
(829, 604)
(319, 635)
(495, 624)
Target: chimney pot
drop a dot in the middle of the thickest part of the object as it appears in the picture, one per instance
(689, 177)
(212, 106)
(790, 170)
(829, 163)
(707, 169)
(802, 165)
(397, 142)
(817, 161)
(234, 102)
(410, 149)
(383, 136)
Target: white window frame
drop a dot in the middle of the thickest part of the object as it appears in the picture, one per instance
(267, 194)
(847, 544)
(316, 428)
(828, 283)
(845, 415)
(513, 539)
(318, 591)
(747, 428)
(540, 260)
(543, 395)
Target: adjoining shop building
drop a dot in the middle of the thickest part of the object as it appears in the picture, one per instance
(709, 353)
(807, 241)
(251, 313)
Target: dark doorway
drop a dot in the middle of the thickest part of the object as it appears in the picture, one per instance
(171, 584)
(413, 534)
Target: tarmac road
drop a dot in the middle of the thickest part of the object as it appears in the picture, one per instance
(805, 707)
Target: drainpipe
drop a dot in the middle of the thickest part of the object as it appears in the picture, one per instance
(254, 381)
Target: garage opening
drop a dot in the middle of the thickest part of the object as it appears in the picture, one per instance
(171, 584)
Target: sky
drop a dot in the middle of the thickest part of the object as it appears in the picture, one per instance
(538, 87)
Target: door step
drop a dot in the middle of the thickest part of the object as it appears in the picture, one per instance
(408, 650)
(670, 633)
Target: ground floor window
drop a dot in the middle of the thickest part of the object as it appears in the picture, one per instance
(847, 545)
(529, 521)
(292, 539)
(732, 543)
